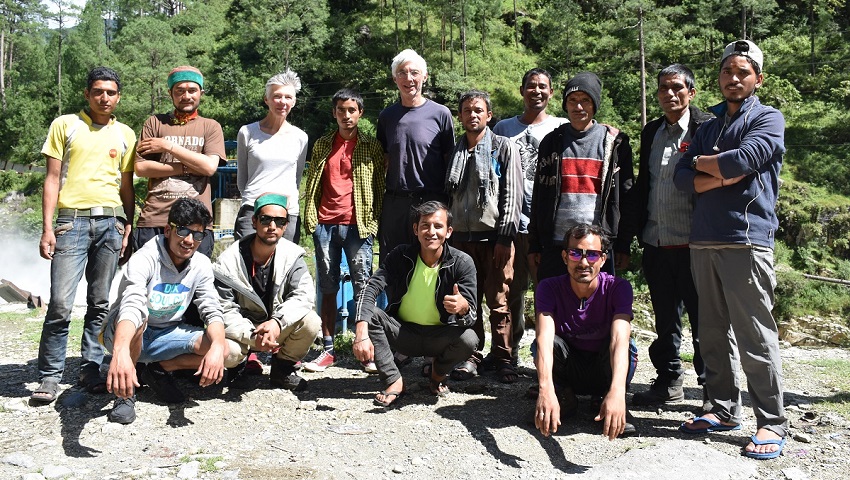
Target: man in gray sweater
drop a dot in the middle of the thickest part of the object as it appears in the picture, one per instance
(146, 324)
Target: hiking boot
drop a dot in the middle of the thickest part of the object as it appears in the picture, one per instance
(123, 411)
(283, 376)
(162, 383)
(321, 363)
(662, 390)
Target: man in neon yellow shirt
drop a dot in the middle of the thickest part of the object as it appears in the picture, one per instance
(90, 179)
(431, 291)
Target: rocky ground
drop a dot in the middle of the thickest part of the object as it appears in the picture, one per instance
(333, 431)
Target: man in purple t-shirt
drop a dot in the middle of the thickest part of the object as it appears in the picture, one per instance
(583, 327)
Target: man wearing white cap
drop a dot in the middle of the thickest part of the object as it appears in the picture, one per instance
(733, 166)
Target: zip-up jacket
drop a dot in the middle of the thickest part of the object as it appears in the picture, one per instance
(394, 277)
(293, 291)
(498, 219)
(752, 144)
(369, 177)
(545, 201)
(636, 208)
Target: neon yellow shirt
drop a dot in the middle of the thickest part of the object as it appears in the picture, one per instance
(417, 305)
(93, 158)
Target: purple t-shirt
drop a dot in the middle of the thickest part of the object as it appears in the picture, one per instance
(418, 141)
(588, 329)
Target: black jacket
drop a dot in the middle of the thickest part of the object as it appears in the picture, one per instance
(547, 188)
(394, 276)
(636, 206)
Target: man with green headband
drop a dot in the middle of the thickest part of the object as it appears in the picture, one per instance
(267, 294)
(177, 152)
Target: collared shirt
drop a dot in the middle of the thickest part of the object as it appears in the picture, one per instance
(670, 210)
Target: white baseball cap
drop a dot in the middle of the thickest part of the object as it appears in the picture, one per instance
(744, 48)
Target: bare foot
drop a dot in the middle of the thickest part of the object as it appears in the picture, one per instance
(764, 434)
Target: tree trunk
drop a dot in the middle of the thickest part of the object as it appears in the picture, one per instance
(3, 69)
(812, 34)
(516, 28)
(395, 17)
(744, 23)
(642, 70)
(463, 33)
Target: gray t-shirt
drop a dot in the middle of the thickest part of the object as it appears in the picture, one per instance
(419, 142)
(527, 139)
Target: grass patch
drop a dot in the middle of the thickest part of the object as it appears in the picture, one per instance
(687, 357)
(833, 373)
(31, 330)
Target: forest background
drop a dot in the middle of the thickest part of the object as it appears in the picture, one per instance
(46, 49)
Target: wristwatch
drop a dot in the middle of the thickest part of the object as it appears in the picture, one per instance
(694, 161)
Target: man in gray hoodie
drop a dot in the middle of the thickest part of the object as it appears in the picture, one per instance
(146, 324)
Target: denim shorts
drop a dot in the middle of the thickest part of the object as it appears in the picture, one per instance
(159, 344)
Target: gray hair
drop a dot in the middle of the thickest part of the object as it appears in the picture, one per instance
(284, 78)
(408, 56)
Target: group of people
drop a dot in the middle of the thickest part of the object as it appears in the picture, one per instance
(536, 200)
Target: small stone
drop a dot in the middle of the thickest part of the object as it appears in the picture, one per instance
(802, 437)
(398, 469)
(19, 459)
(794, 473)
(56, 471)
(16, 405)
(307, 405)
(189, 470)
(32, 476)
(417, 461)
(706, 441)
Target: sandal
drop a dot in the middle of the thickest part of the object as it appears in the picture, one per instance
(465, 371)
(507, 374)
(46, 392)
(92, 382)
(427, 366)
(386, 403)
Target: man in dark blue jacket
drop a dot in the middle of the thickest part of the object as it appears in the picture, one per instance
(659, 215)
(431, 292)
(733, 165)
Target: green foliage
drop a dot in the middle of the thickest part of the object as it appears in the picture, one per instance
(796, 295)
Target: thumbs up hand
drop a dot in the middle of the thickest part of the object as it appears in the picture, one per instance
(455, 303)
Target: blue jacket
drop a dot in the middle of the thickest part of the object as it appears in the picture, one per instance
(753, 144)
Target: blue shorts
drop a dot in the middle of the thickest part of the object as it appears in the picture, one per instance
(159, 344)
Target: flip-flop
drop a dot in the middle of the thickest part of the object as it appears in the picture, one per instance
(769, 455)
(46, 392)
(714, 426)
(397, 396)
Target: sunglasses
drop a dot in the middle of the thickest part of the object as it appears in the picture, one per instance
(184, 232)
(577, 254)
(266, 220)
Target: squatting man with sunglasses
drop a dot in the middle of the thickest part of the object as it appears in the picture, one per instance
(268, 295)
(146, 331)
(582, 345)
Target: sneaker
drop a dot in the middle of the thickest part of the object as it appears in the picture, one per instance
(369, 367)
(163, 383)
(254, 366)
(123, 411)
(321, 363)
(662, 390)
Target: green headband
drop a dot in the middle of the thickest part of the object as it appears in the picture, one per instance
(269, 199)
(185, 76)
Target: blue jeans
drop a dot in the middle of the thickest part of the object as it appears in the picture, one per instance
(83, 244)
(330, 241)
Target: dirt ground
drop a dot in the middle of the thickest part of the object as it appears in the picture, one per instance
(333, 431)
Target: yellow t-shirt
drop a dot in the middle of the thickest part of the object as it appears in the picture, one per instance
(93, 158)
(417, 305)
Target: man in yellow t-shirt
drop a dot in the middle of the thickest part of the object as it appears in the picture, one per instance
(90, 179)
(431, 291)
